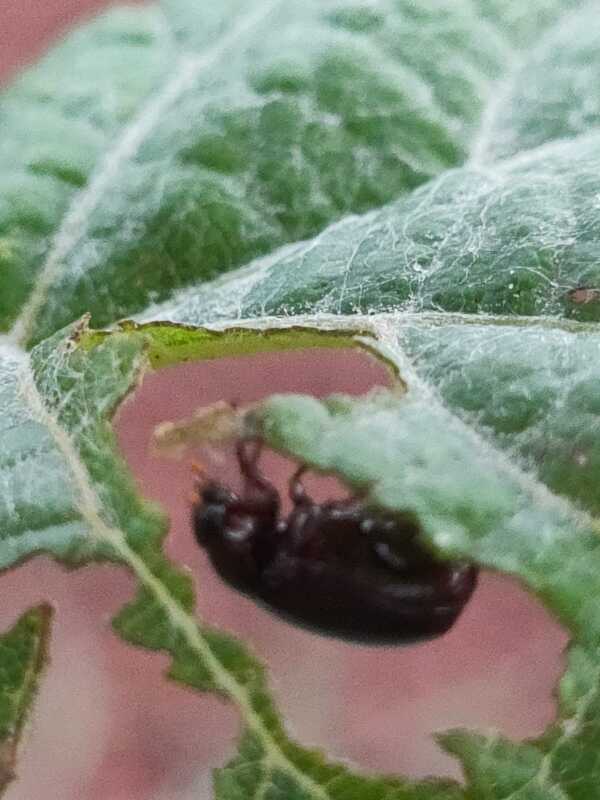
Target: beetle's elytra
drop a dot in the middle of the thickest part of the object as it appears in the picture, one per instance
(337, 568)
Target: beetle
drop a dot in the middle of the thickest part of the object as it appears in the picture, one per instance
(338, 568)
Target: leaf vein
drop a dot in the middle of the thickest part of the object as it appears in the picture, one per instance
(90, 509)
(76, 220)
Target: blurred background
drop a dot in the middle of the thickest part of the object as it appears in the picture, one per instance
(109, 726)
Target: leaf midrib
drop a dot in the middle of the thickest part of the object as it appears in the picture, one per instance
(361, 322)
(76, 220)
(90, 508)
(498, 92)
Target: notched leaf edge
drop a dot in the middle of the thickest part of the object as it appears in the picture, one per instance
(29, 637)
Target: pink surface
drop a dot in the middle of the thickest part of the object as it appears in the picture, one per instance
(27, 27)
(108, 726)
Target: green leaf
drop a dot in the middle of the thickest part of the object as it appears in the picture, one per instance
(59, 120)
(265, 122)
(473, 502)
(23, 656)
(514, 240)
(470, 500)
(56, 406)
(217, 133)
(79, 503)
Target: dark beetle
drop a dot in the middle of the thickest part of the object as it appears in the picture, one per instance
(337, 567)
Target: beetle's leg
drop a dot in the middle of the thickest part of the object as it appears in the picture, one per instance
(248, 453)
(357, 497)
(304, 534)
(298, 494)
(260, 495)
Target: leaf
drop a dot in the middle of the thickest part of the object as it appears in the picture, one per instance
(78, 503)
(58, 121)
(56, 404)
(480, 289)
(230, 142)
(515, 240)
(472, 502)
(469, 500)
(23, 656)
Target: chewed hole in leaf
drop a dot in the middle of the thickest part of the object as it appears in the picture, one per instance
(128, 731)
(495, 670)
(376, 706)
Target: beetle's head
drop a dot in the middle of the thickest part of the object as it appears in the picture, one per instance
(210, 511)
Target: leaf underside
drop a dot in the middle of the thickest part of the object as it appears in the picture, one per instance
(421, 180)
